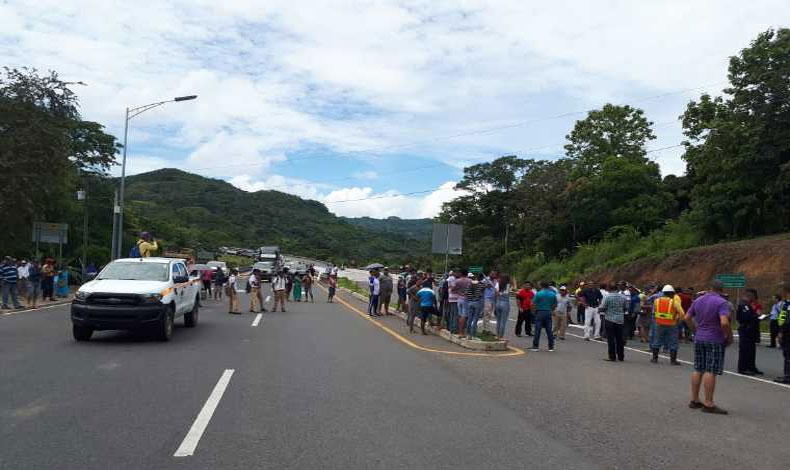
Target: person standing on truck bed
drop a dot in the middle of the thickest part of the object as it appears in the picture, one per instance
(146, 245)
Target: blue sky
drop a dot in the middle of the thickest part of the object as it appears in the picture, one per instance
(350, 100)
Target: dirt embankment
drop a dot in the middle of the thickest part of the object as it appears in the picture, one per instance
(765, 262)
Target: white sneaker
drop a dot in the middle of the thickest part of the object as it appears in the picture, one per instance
(534, 349)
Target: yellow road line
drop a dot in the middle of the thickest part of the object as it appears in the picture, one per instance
(408, 342)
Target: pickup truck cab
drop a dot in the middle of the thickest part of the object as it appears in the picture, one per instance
(136, 294)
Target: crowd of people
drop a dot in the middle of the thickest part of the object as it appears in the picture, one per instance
(31, 281)
(660, 316)
(286, 286)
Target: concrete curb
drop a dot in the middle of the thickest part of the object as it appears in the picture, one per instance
(472, 344)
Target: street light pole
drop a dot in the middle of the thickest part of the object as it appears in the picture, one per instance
(119, 216)
(117, 229)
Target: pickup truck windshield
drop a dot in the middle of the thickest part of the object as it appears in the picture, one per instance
(135, 272)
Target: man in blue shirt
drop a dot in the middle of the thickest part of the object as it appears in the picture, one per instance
(427, 305)
(544, 303)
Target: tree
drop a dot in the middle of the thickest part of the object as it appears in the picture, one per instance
(612, 131)
(613, 183)
(738, 147)
(43, 142)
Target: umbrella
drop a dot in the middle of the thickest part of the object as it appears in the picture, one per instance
(374, 266)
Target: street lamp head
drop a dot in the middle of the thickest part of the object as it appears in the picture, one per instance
(185, 98)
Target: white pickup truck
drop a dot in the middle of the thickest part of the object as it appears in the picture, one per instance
(136, 294)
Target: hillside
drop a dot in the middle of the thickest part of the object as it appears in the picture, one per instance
(213, 213)
(765, 261)
(418, 229)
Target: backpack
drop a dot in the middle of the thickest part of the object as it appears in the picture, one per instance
(135, 251)
(248, 289)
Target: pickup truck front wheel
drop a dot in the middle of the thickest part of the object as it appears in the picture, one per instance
(164, 331)
(82, 333)
(191, 318)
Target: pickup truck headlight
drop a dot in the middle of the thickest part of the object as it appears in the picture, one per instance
(151, 298)
(81, 296)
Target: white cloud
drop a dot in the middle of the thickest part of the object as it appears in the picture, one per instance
(275, 77)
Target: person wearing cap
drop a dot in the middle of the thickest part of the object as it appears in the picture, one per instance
(279, 284)
(23, 272)
(385, 289)
(667, 311)
(561, 313)
(233, 296)
(748, 332)
(255, 291)
(709, 320)
(783, 336)
(146, 245)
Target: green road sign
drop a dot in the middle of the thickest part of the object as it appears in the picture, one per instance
(475, 269)
(736, 280)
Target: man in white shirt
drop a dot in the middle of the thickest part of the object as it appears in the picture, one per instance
(23, 272)
(279, 282)
(375, 290)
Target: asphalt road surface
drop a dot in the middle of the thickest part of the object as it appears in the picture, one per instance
(322, 386)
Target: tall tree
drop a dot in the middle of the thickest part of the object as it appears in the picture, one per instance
(612, 131)
(738, 146)
(43, 142)
(613, 182)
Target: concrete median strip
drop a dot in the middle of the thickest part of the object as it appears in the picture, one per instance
(472, 344)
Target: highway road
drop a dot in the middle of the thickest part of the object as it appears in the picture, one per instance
(323, 386)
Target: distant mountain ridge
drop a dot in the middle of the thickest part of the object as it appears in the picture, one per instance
(188, 210)
(419, 229)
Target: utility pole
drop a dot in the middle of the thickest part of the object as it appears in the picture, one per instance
(114, 252)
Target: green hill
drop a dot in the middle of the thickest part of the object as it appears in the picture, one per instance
(187, 210)
(418, 229)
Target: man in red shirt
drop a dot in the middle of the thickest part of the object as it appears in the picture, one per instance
(685, 302)
(524, 299)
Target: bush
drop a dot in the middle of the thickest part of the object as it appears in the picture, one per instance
(621, 245)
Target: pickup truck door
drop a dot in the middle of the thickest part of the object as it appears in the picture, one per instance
(191, 291)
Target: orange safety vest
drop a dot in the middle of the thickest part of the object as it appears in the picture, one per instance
(664, 311)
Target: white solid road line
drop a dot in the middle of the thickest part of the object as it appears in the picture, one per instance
(15, 312)
(190, 442)
(750, 377)
(257, 320)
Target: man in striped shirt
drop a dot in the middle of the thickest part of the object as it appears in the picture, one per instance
(9, 276)
(614, 307)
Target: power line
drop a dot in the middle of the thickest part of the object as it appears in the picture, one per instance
(476, 132)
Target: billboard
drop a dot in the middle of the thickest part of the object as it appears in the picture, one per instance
(45, 232)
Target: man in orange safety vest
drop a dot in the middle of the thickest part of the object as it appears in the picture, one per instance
(667, 312)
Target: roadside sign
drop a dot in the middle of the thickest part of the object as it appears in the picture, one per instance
(475, 269)
(45, 232)
(447, 239)
(733, 280)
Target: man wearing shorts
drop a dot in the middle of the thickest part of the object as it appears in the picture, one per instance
(709, 318)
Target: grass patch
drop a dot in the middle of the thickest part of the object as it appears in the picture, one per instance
(486, 336)
(352, 286)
